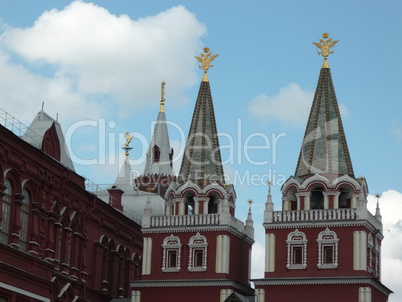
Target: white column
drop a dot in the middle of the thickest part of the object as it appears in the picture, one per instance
(222, 254)
(269, 252)
(360, 250)
(147, 256)
(260, 295)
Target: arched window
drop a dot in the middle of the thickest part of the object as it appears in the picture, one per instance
(6, 207)
(213, 204)
(345, 198)
(171, 254)
(327, 249)
(156, 154)
(317, 198)
(198, 253)
(189, 205)
(296, 250)
(24, 220)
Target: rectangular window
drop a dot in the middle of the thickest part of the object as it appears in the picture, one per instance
(172, 259)
(198, 258)
(328, 255)
(297, 255)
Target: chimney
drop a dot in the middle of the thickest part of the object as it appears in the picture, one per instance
(115, 194)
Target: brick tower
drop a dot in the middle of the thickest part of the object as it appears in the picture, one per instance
(324, 245)
(198, 250)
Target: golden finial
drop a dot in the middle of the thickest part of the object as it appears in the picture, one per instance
(377, 196)
(250, 202)
(325, 46)
(126, 146)
(149, 190)
(205, 60)
(162, 108)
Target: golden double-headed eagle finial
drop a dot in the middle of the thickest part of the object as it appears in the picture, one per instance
(162, 107)
(126, 146)
(325, 45)
(205, 59)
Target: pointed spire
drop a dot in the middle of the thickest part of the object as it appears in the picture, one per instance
(202, 157)
(377, 210)
(249, 220)
(324, 148)
(269, 206)
(146, 219)
(160, 155)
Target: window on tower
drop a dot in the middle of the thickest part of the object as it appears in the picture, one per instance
(197, 253)
(296, 250)
(327, 249)
(171, 254)
(156, 154)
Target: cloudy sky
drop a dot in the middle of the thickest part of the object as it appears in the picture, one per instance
(98, 66)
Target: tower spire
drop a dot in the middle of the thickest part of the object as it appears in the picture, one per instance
(324, 148)
(160, 155)
(202, 157)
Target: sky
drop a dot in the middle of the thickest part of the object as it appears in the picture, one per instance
(98, 66)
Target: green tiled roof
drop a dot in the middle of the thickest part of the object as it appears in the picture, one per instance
(324, 148)
(202, 156)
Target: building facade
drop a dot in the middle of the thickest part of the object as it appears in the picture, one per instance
(59, 242)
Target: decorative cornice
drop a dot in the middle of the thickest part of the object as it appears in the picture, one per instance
(192, 283)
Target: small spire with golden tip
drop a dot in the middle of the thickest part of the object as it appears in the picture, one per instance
(205, 59)
(250, 203)
(162, 108)
(325, 46)
(126, 146)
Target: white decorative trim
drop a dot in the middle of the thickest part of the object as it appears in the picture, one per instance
(171, 244)
(327, 238)
(296, 240)
(196, 243)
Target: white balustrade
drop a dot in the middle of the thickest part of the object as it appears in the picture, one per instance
(316, 215)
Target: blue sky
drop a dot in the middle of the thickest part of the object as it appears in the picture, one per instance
(99, 65)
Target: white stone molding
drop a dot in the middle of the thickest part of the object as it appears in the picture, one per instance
(198, 242)
(296, 240)
(325, 239)
(171, 244)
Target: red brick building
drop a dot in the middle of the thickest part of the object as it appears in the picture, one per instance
(59, 242)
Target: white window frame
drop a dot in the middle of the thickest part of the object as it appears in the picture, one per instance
(327, 238)
(171, 244)
(296, 239)
(197, 243)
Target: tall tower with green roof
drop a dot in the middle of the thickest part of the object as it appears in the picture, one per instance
(197, 251)
(323, 245)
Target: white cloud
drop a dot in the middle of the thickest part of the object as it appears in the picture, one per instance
(290, 105)
(80, 57)
(391, 270)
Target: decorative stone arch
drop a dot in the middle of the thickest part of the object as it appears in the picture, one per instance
(12, 176)
(171, 258)
(327, 249)
(198, 252)
(312, 180)
(296, 250)
(290, 200)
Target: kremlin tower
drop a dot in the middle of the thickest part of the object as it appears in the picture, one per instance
(197, 250)
(324, 245)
